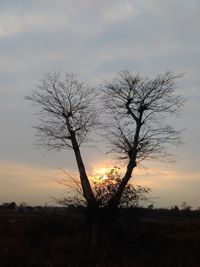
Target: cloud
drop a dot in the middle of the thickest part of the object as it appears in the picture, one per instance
(93, 36)
(170, 186)
(35, 185)
(14, 23)
(69, 15)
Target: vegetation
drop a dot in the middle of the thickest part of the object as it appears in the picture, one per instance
(104, 188)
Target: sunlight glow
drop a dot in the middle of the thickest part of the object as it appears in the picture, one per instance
(99, 174)
(101, 171)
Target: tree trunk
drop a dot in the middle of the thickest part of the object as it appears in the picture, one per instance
(115, 200)
(87, 190)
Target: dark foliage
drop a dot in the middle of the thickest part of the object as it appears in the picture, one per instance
(104, 188)
(131, 197)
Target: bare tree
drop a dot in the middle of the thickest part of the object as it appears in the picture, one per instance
(138, 108)
(67, 116)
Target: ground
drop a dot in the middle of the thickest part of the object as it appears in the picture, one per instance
(139, 237)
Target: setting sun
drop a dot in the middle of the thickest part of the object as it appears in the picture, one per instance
(100, 171)
(100, 174)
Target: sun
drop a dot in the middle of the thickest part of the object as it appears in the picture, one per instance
(99, 174)
(105, 175)
(100, 171)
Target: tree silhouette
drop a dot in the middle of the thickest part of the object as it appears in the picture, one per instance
(67, 116)
(136, 109)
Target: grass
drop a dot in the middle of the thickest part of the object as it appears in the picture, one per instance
(138, 238)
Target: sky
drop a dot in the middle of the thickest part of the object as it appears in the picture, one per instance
(96, 39)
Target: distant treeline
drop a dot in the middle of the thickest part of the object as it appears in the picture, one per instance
(183, 210)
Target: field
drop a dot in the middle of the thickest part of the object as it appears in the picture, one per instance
(138, 238)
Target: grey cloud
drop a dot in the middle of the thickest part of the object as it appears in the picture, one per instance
(70, 15)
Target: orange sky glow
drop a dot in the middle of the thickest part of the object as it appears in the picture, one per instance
(36, 185)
